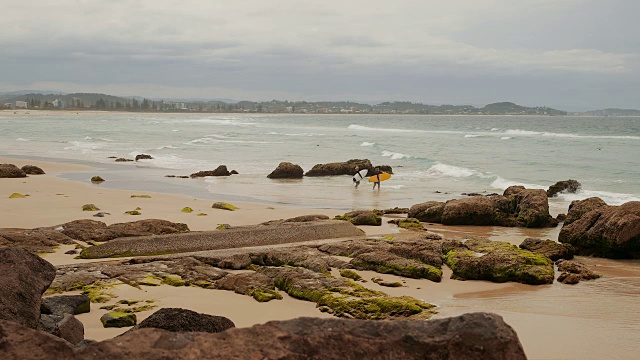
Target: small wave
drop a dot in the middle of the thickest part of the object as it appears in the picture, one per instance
(472, 136)
(506, 138)
(367, 144)
(395, 155)
(88, 138)
(611, 198)
(172, 161)
(502, 183)
(395, 187)
(519, 132)
(224, 122)
(445, 170)
(22, 139)
(494, 129)
(167, 147)
(366, 128)
(83, 147)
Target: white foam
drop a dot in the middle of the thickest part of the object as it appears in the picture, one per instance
(366, 128)
(445, 170)
(472, 135)
(611, 198)
(167, 147)
(367, 143)
(84, 147)
(519, 132)
(494, 129)
(22, 139)
(88, 138)
(506, 138)
(395, 155)
(502, 184)
(223, 122)
(172, 161)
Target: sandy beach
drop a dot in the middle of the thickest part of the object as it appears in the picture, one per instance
(591, 320)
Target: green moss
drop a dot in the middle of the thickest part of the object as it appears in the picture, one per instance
(138, 208)
(265, 296)
(417, 271)
(350, 274)
(374, 308)
(89, 207)
(118, 319)
(202, 214)
(150, 301)
(410, 223)
(203, 284)
(223, 227)
(16, 196)
(388, 238)
(108, 307)
(133, 212)
(141, 196)
(187, 210)
(128, 302)
(53, 290)
(224, 206)
(97, 292)
(173, 280)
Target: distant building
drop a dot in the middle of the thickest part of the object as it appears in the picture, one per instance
(7, 106)
(58, 104)
(21, 105)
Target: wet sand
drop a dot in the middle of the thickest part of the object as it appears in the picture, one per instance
(591, 320)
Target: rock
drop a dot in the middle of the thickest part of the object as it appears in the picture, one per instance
(561, 217)
(531, 207)
(233, 172)
(224, 206)
(71, 252)
(37, 240)
(610, 231)
(307, 218)
(219, 171)
(25, 277)
(385, 168)
(187, 210)
(101, 214)
(89, 207)
(395, 210)
(145, 227)
(408, 223)
(548, 248)
(476, 210)
(123, 160)
(469, 336)
(363, 217)
(66, 304)
(144, 157)
(581, 207)
(183, 320)
(388, 263)
(97, 179)
(133, 212)
(430, 211)
(498, 262)
(11, 171)
(118, 319)
(84, 343)
(17, 196)
(65, 326)
(86, 230)
(572, 272)
(259, 286)
(32, 170)
(286, 170)
(566, 186)
(382, 282)
(340, 168)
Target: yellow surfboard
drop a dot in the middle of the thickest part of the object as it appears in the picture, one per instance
(378, 178)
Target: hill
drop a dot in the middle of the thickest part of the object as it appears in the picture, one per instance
(611, 112)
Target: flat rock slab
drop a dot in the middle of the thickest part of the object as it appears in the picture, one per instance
(282, 233)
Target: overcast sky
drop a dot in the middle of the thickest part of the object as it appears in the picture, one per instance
(569, 54)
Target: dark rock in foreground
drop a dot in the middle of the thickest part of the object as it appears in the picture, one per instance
(548, 248)
(24, 277)
(287, 170)
(609, 231)
(32, 170)
(182, 320)
(86, 230)
(581, 207)
(219, 171)
(70, 304)
(567, 186)
(11, 171)
(64, 326)
(469, 336)
(118, 319)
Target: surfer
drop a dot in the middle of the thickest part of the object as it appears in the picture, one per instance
(375, 173)
(356, 179)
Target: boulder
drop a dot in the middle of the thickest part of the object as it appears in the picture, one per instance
(65, 326)
(183, 320)
(144, 157)
(97, 179)
(259, 286)
(25, 277)
(475, 210)
(32, 170)
(92, 230)
(548, 248)
(219, 171)
(566, 186)
(430, 211)
(66, 304)
(531, 206)
(572, 272)
(286, 170)
(37, 240)
(85, 230)
(388, 263)
(362, 217)
(11, 171)
(581, 207)
(610, 231)
(469, 336)
(339, 168)
(118, 319)
(123, 160)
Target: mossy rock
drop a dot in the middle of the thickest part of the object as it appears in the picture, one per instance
(173, 280)
(265, 296)
(133, 212)
(150, 280)
(223, 227)
(382, 282)
(201, 214)
(138, 208)
(141, 196)
(118, 319)
(97, 179)
(97, 292)
(17, 196)
(89, 207)
(410, 224)
(224, 206)
(108, 307)
(128, 302)
(187, 210)
(350, 274)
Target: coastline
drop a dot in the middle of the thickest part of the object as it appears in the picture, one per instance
(574, 311)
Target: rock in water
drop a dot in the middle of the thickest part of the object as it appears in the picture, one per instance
(567, 186)
(286, 170)
(581, 207)
(24, 279)
(341, 168)
(219, 171)
(144, 157)
(548, 248)
(182, 320)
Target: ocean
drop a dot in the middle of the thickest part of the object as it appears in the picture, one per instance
(433, 157)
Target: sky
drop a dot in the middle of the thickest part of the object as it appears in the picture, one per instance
(568, 54)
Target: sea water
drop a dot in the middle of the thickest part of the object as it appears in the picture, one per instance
(433, 157)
